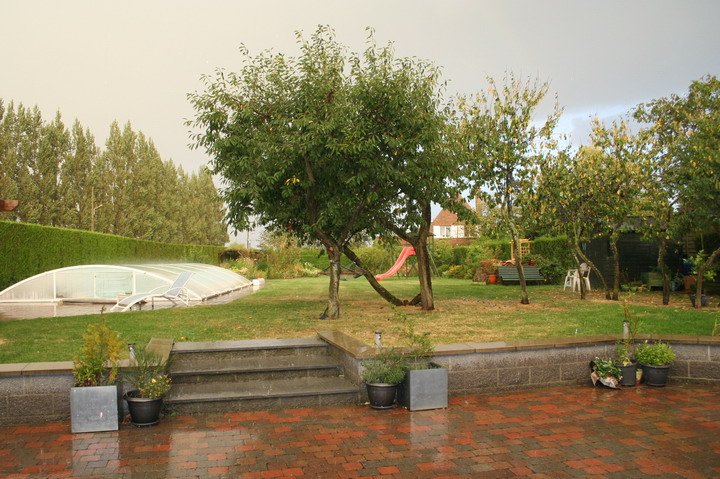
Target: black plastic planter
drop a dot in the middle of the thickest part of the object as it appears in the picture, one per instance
(143, 411)
(655, 375)
(381, 395)
(629, 375)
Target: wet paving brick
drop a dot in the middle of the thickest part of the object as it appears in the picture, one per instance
(556, 433)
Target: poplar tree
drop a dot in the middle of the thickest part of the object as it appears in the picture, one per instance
(27, 144)
(53, 151)
(78, 178)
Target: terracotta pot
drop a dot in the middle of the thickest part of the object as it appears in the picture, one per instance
(492, 278)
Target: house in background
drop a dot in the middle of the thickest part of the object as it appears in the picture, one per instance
(447, 227)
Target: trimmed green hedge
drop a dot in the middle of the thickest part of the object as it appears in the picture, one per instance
(28, 249)
(316, 257)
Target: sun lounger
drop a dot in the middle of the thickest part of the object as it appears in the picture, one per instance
(177, 292)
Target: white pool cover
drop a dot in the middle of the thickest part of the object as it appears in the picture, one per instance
(108, 282)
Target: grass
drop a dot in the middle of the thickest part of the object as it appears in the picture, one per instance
(466, 312)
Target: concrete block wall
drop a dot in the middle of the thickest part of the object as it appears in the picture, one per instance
(39, 392)
(26, 398)
(476, 368)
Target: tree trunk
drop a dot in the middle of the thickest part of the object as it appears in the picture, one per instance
(518, 264)
(700, 276)
(419, 242)
(662, 250)
(424, 276)
(427, 302)
(333, 308)
(384, 293)
(616, 269)
(587, 261)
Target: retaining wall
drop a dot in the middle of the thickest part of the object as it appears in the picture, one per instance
(39, 392)
(476, 368)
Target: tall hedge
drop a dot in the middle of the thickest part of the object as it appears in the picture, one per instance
(28, 249)
(555, 247)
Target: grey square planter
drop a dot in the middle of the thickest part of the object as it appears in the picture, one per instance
(94, 408)
(425, 389)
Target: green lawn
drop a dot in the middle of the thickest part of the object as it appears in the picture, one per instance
(290, 308)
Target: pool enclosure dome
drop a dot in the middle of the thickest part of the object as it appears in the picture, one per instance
(108, 283)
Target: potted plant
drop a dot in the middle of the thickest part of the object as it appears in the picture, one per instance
(625, 348)
(382, 375)
(655, 360)
(426, 384)
(489, 269)
(625, 363)
(150, 382)
(94, 401)
(605, 372)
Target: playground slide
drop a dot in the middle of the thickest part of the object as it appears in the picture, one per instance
(404, 255)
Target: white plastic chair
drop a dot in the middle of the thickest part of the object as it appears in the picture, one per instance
(570, 279)
(584, 275)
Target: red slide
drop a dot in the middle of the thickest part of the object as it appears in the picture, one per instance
(404, 255)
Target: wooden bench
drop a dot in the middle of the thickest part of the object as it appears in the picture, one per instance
(509, 274)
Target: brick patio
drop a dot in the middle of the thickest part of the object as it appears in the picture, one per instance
(561, 432)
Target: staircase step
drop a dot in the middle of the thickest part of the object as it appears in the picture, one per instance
(254, 369)
(261, 395)
(187, 352)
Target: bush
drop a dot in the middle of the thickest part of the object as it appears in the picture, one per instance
(101, 344)
(460, 254)
(247, 267)
(554, 250)
(388, 367)
(457, 271)
(282, 256)
(443, 255)
(552, 271)
(373, 257)
(315, 256)
(487, 250)
(149, 376)
(658, 354)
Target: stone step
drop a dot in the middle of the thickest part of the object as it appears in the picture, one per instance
(186, 353)
(255, 369)
(262, 395)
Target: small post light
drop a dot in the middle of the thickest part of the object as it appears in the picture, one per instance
(131, 354)
(378, 339)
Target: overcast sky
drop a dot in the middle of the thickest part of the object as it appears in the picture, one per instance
(100, 61)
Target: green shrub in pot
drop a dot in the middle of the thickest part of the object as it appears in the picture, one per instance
(657, 354)
(388, 367)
